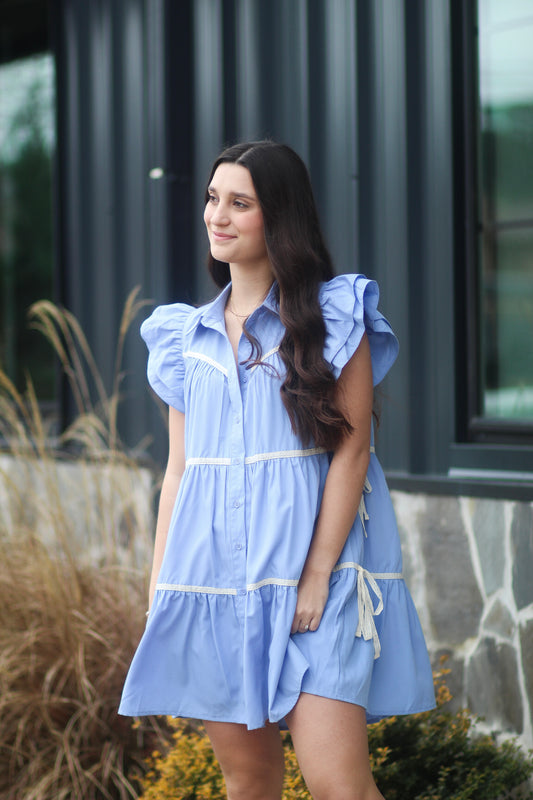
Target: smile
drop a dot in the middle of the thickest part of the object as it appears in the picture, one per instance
(222, 237)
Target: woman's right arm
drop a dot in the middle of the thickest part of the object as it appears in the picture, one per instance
(169, 490)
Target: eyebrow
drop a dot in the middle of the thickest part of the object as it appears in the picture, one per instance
(233, 194)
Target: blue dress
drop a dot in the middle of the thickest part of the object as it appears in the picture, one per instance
(217, 643)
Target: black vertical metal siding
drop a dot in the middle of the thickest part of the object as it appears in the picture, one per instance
(438, 261)
(360, 88)
(284, 70)
(209, 60)
(406, 236)
(118, 227)
(383, 198)
(362, 91)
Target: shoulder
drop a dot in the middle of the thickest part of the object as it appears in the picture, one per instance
(166, 321)
(163, 334)
(349, 306)
(338, 296)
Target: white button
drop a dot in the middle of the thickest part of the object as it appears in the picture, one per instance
(236, 503)
(242, 592)
(238, 547)
(236, 461)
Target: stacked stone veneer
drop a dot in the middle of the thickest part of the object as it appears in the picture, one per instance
(98, 510)
(469, 565)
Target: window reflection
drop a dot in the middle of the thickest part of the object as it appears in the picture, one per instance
(506, 207)
(27, 141)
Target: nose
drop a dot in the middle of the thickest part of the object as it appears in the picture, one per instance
(219, 215)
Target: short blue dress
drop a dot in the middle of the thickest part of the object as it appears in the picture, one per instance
(217, 643)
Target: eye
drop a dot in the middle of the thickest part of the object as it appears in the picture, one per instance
(211, 198)
(240, 204)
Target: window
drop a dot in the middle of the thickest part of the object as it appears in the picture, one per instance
(27, 143)
(502, 397)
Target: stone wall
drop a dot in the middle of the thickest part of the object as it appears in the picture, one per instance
(99, 511)
(469, 565)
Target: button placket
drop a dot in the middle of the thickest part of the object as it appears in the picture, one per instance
(236, 485)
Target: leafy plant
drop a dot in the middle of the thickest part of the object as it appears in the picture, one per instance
(190, 771)
(439, 756)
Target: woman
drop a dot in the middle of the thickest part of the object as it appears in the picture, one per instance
(276, 594)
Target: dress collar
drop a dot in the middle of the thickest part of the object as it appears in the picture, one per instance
(212, 314)
(271, 300)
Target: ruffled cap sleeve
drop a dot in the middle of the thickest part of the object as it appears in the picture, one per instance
(349, 307)
(163, 332)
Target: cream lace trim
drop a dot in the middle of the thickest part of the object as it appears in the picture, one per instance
(207, 359)
(264, 358)
(366, 581)
(276, 454)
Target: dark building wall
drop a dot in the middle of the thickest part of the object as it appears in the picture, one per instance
(406, 240)
(147, 84)
(284, 70)
(123, 110)
(367, 91)
(359, 89)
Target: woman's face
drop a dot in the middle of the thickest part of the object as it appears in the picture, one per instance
(234, 219)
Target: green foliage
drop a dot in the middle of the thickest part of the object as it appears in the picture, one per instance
(432, 756)
(438, 756)
(190, 771)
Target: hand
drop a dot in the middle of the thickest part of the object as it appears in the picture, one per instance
(313, 592)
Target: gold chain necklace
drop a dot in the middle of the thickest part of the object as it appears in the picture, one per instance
(239, 316)
(244, 316)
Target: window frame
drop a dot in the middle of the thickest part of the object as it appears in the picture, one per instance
(471, 427)
(30, 33)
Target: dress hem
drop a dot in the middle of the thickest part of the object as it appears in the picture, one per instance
(372, 716)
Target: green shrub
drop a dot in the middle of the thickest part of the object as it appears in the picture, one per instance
(190, 771)
(439, 756)
(432, 756)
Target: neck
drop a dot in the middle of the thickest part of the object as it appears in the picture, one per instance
(249, 288)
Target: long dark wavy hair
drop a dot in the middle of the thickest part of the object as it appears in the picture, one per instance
(300, 261)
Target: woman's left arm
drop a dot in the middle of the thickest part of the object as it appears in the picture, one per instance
(342, 491)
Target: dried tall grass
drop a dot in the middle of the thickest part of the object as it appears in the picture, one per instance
(74, 543)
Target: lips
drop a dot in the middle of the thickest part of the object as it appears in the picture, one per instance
(222, 237)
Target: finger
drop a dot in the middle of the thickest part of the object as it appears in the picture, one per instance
(299, 625)
(315, 622)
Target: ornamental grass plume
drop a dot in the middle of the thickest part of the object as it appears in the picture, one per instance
(67, 633)
(75, 534)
